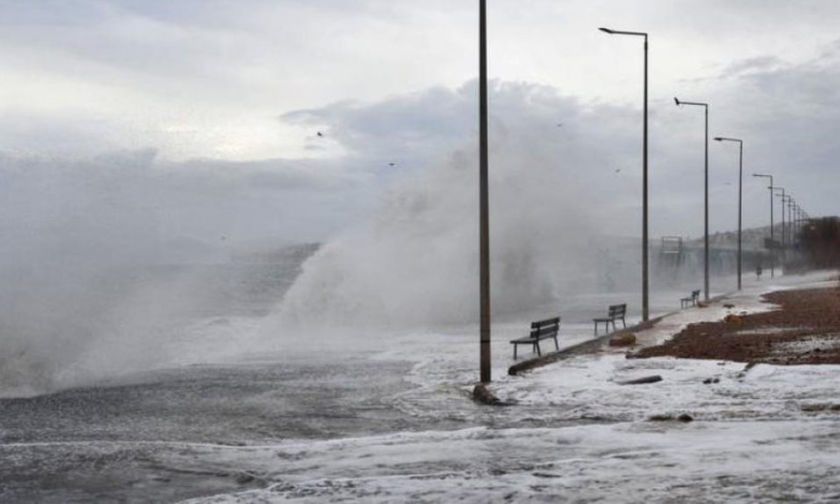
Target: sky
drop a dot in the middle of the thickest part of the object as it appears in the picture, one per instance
(201, 118)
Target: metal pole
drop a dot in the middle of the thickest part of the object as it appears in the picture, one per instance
(792, 204)
(484, 219)
(772, 243)
(705, 195)
(772, 249)
(740, 183)
(785, 199)
(645, 287)
(792, 227)
(783, 223)
(706, 211)
(776, 188)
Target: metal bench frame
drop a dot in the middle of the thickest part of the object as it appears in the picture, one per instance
(614, 313)
(540, 330)
(691, 300)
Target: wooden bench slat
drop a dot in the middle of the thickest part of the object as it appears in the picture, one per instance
(535, 333)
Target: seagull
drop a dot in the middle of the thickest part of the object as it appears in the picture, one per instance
(320, 134)
(559, 125)
(617, 170)
(390, 164)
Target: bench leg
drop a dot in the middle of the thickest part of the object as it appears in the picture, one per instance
(515, 346)
(596, 328)
(555, 344)
(537, 344)
(623, 322)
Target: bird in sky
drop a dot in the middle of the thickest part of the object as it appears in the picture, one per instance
(390, 164)
(320, 134)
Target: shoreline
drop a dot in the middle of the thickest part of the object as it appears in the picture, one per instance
(803, 328)
(657, 336)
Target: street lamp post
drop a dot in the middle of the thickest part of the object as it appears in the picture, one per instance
(772, 243)
(705, 196)
(788, 241)
(740, 180)
(782, 197)
(792, 232)
(785, 199)
(791, 205)
(645, 286)
(777, 188)
(798, 216)
(484, 219)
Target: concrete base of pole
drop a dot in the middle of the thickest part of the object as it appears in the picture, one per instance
(483, 395)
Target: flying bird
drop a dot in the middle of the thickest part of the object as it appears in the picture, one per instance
(320, 134)
(617, 170)
(390, 164)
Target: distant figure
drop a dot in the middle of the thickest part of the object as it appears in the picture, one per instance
(758, 271)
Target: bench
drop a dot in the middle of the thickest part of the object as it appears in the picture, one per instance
(540, 330)
(691, 300)
(615, 312)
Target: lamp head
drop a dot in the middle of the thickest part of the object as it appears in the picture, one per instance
(607, 30)
(676, 100)
(719, 139)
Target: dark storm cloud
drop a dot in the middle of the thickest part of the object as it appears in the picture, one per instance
(789, 114)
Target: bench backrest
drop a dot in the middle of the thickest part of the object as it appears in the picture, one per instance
(695, 293)
(617, 311)
(543, 327)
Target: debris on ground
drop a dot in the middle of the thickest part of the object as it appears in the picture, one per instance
(639, 381)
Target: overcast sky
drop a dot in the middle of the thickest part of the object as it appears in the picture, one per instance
(217, 106)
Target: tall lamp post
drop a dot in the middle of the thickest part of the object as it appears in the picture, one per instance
(791, 205)
(705, 196)
(740, 180)
(772, 243)
(645, 286)
(798, 216)
(484, 219)
(782, 196)
(785, 199)
(792, 236)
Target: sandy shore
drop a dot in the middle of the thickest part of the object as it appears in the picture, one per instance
(804, 329)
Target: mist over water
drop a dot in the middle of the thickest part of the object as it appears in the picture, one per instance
(120, 264)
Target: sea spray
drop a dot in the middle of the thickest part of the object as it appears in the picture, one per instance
(117, 265)
(414, 262)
